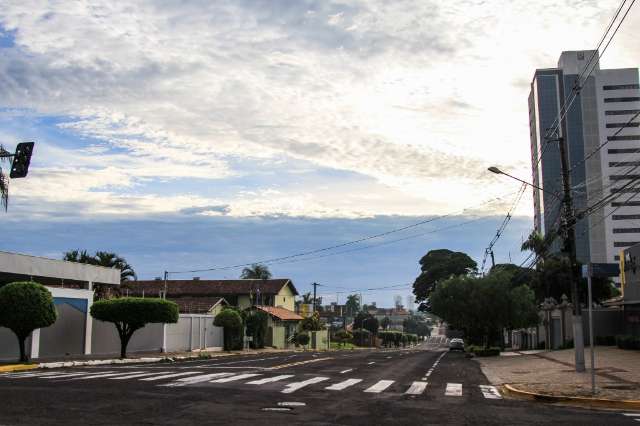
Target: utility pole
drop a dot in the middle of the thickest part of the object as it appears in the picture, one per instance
(315, 285)
(166, 276)
(569, 235)
(493, 259)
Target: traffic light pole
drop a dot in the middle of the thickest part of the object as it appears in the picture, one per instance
(570, 249)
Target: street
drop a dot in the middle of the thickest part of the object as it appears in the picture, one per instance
(421, 385)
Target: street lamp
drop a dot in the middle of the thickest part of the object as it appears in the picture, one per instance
(497, 171)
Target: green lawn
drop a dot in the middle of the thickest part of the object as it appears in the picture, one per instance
(336, 345)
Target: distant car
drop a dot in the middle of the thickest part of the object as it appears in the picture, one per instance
(456, 345)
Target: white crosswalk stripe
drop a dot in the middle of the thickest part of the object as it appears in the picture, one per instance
(234, 378)
(343, 385)
(453, 389)
(490, 392)
(32, 374)
(135, 376)
(103, 375)
(169, 376)
(292, 387)
(380, 386)
(416, 388)
(65, 375)
(197, 379)
(270, 379)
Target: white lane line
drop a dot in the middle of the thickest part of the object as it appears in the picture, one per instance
(380, 386)
(169, 376)
(372, 362)
(292, 404)
(416, 388)
(292, 387)
(270, 379)
(234, 378)
(25, 375)
(135, 376)
(490, 392)
(195, 379)
(346, 371)
(631, 414)
(453, 389)
(343, 385)
(103, 375)
(65, 375)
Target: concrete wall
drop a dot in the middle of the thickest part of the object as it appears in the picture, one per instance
(9, 345)
(193, 332)
(66, 335)
(105, 340)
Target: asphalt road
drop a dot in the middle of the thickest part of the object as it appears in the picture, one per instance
(423, 385)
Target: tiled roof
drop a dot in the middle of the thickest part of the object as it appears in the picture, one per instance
(280, 313)
(209, 287)
(196, 305)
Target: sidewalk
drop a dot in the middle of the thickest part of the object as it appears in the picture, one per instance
(553, 373)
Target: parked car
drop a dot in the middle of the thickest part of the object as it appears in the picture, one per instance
(456, 345)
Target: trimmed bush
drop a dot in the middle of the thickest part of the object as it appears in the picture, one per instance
(303, 339)
(256, 322)
(231, 322)
(24, 307)
(605, 340)
(481, 351)
(343, 336)
(628, 342)
(129, 314)
(361, 337)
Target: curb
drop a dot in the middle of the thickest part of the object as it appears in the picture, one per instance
(573, 400)
(17, 367)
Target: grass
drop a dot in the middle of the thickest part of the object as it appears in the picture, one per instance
(336, 345)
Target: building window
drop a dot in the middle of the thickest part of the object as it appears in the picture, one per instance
(624, 151)
(623, 177)
(621, 87)
(624, 163)
(621, 125)
(625, 243)
(625, 99)
(625, 216)
(626, 204)
(624, 138)
(626, 230)
(622, 112)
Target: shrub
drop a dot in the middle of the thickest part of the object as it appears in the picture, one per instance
(361, 337)
(231, 322)
(24, 307)
(311, 323)
(605, 340)
(302, 339)
(404, 340)
(481, 351)
(412, 338)
(628, 342)
(129, 314)
(343, 336)
(256, 322)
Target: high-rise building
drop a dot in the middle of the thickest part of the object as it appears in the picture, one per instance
(601, 113)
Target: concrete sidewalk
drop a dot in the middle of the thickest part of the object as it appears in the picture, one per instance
(553, 373)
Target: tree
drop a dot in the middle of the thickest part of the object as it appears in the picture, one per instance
(256, 272)
(24, 307)
(307, 299)
(535, 243)
(352, 305)
(303, 339)
(414, 324)
(311, 323)
(129, 314)
(256, 322)
(384, 323)
(231, 322)
(437, 266)
(108, 260)
(343, 336)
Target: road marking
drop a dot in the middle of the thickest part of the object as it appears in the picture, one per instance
(64, 375)
(380, 386)
(343, 385)
(416, 388)
(372, 362)
(277, 409)
(293, 364)
(631, 414)
(103, 375)
(168, 376)
(26, 375)
(270, 379)
(135, 376)
(453, 389)
(292, 404)
(196, 379)
(292, 387)
(234, 378)
(490, 392)
(346, 371)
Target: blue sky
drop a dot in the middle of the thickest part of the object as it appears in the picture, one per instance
(193, 134)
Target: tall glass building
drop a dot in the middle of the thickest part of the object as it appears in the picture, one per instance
(601, 113)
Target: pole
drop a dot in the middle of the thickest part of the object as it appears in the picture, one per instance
(493, 260)
(166, 275)
(315, 285)
(570, 249)
(593, 363)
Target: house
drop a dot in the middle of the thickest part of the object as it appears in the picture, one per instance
(276, 297)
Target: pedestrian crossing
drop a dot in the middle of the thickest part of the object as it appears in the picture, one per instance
(285, 383)
(632, 416)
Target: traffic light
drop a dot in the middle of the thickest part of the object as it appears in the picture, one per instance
(21, 160)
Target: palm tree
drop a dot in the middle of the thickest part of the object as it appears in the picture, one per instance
(535, 243)
(353, 304)
(256, 272)
(108, 260)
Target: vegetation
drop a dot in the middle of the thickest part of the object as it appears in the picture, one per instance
(108, 260)
(391, 338)
(343, 337)
(384, 323)
(416, 325)
(482, 307)
(362, 337)
(256, 322)
(232, 324)
(352, 306)
(437, 266)
(256, 272)
(628, 342)
(129, 314)
(24, 307)
(365, 320)
(303, 339)
(311, 323)
(482, 351)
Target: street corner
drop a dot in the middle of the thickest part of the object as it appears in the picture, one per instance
(568, 395)
(11, 368)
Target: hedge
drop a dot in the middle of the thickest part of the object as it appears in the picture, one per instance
(302, 339)
(482, 351)
(361, 337)
(628, 342)
(231, 322)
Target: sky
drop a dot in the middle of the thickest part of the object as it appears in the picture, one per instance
(189, 135)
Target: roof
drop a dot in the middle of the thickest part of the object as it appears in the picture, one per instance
(280, 313)
(210, 287)
(197, 305)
